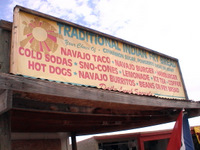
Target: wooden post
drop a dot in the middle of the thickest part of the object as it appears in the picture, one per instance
(5, 100)
(5, 123)
(64, 138)
(5, 42)
(5, 131)
(73, 138)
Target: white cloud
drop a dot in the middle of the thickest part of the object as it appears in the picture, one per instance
(170, 27)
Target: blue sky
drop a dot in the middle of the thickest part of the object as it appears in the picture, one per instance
(171, 27)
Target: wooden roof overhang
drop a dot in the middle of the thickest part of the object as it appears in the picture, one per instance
(43, 106)
(37, 105)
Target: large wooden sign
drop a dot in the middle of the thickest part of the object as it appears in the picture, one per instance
(49, 48)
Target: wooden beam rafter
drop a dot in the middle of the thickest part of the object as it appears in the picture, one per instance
(19, 83)
(5, 100)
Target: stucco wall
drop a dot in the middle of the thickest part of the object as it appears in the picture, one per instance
(88, 144)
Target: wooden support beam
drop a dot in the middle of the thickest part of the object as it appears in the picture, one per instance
(37, 105)
(5, 131)
(6, 25)
(19, 83)
(64, 138)
(5, 100)
(51, 107)
(5, 44)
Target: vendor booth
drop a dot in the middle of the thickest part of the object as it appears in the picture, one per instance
(60, 79)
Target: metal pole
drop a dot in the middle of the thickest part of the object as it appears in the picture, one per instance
(73, 138)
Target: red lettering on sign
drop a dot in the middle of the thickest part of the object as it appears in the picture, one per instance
(59, 71)
(30, 53)
(143, 84)
(36, 66)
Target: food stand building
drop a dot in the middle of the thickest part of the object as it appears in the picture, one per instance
(58, 79)
(154, 140)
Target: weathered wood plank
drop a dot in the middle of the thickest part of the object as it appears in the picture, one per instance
(19, 83)
(82, 124)
(52, 107)
(95, 109)
(6, 25)
(5, 100)
(75, 117)
(5, 43)
(5, 131)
